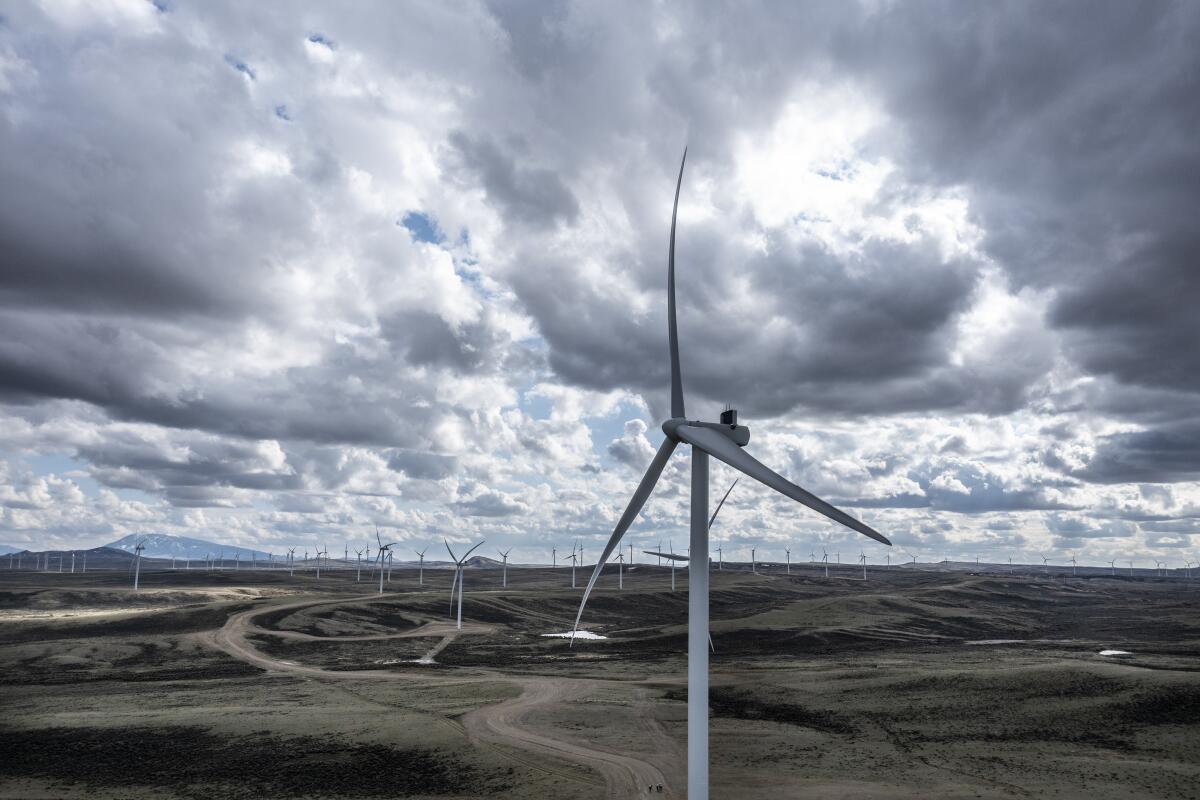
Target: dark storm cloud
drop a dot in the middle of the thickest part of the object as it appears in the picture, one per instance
(424, 338)
(867, 334)
(1162, 455)
(530, 195)
(1074, 129)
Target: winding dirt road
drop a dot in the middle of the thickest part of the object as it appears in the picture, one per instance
(505, 724)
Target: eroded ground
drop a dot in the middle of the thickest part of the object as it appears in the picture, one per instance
(906, 685)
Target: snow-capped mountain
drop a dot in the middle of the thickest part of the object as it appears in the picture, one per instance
(163, 545)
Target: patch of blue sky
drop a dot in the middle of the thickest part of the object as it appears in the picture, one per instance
(318, 38)
(240, 66)
(60, 465)
(422, 227)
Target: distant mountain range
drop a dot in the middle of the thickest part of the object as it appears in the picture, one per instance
(164, 545)
(4, 549)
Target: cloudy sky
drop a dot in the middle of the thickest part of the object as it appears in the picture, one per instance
(274, 277)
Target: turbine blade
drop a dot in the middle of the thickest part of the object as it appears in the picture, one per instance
(453, 557)
(453, 584)
(672, 326)
(636, 502)
(671, 556)
(717, 446)
(713, 518)
(472, 550)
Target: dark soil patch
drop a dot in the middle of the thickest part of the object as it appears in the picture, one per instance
(198, 763)
(737, 704)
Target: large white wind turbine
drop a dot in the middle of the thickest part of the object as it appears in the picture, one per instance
(459, 578)
(724, 441)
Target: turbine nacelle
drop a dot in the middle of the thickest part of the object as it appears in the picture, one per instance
(738, 434)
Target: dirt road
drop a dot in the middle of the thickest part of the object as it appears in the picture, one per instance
(503, 724)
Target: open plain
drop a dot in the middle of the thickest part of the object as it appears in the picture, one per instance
(913, 683)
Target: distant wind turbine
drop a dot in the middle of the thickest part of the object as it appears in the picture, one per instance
(137, 562)
(724, 441)
(862, 558)
(421, 566)
(504, 555)
(460, 578)
(383, 552)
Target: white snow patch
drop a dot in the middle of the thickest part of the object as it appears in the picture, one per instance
(578, 635)
(1115, 653)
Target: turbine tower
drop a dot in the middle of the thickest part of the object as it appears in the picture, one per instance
(724, 441)
(504, 555)
(137, 562)
(459, 578)
(383, 552)
(421, 566)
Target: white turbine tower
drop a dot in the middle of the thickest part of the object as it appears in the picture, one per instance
(1113, 566)
(825, 558)
(421, 566)
(753, 561)
(320, 553)
(620, 570)
(574, 560)
(358, 566)
(1073, 565)
(504, 555)
(862, 559)
(460, 578)
(382, 553)
(291, 562)
(137, 562)
(724, 441)
(788, 552)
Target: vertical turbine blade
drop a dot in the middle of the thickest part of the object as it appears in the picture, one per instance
(631, 511)
(672, 327)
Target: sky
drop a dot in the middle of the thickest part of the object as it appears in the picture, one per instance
(277, 275)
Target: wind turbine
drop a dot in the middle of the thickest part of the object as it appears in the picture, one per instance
(1113, 566)
(574, 561)
(504, 555)
(319, 554)
(291, 562)
(1045, 564)
(862, 559)
(421, 566)
(460, 578)
(1073, 564)
(753, 562)
(383, 552)
(788, 551)
(724, 441)
(620, 570)
(825, 558)
(358, 566)
(711, 520)
(720, 559)
(137, 562)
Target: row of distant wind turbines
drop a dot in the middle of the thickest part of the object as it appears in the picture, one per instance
(319, 559)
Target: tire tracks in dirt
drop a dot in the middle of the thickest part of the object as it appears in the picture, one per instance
(499, 725)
